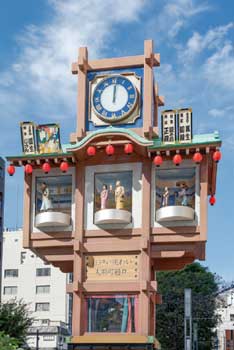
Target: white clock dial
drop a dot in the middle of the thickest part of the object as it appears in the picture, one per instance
(114, 97)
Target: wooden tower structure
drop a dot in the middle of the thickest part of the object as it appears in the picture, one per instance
(120, 201)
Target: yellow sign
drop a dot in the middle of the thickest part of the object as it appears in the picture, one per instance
(112, 267)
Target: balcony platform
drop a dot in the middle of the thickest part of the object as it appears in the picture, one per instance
(116, 342)
(52, 218)
(112, 216)
(175, 213)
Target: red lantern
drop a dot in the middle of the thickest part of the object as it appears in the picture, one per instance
(217, 156)
(197, 157)
(177, 159)
(110, 150)
(128, 148)
(91, 151)
(28, 169)
(46, 168)
(157, 161)
(212, 200)
(64, 166)
(11, 169)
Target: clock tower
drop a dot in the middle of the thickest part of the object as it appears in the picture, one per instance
(121, 201)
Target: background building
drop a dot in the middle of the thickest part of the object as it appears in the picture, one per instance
(25, 276)
(2, 186)
(225, 330)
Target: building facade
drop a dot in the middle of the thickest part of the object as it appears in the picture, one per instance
(2, 191)
(225, 329)
(118, 202)
(41, 286)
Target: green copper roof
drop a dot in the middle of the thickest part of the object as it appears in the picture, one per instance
(202, 139)
(156, 143)
(112, 130)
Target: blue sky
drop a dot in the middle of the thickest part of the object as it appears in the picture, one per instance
(40, 39)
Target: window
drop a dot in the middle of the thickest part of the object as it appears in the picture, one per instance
(113, 191)
(54, 193)
(45, 322)
(112, 313)
(231, 317)
(42, 289)
(11, 273)
(48, 337)
(43, 272)
(22, 257)
(42, 307)
(10, 290)
(175, 187)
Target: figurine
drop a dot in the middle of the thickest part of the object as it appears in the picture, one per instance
(183, 193)
(165, 197)
(46, 201)
(119, 195)
(104, 196)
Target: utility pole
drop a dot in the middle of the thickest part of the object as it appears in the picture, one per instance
(195, 336)
(37, 340)
(187, 319)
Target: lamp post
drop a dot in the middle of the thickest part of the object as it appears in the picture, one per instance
(187, 319)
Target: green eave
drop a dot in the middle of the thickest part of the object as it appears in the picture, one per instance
(111, 130)
(63, 153)
(198, 140)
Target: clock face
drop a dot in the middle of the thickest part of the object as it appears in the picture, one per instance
(114, 98)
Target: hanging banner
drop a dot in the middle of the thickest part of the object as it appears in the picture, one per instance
(28, 137)
(169, 126)
(185, 125)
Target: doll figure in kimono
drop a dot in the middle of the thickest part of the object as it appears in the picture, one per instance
(104, 196)
(46, 200)
(165, 197)
(183, 193)
(119, 195)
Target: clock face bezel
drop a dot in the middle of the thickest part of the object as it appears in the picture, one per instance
(116, 117)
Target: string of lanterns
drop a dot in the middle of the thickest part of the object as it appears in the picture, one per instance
(128, 149)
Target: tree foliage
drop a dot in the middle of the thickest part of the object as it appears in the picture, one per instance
(170, 314)
(7, 343)
(15, 320)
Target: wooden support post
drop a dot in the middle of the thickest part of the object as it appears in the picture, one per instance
(203, 197)
(27, 210)
(77, 323)
(81, 94)
(148, 86)
(145, 268)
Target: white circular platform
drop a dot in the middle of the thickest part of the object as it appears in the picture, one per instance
(112, 216)
(52, 218)
(175, 212)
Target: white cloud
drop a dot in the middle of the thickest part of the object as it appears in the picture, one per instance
(176, 14)
(212, 39)
(41, 75)
(219, 69)
(227, 112)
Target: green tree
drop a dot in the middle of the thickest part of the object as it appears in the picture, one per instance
(170, 314)
(7, 343)
(15, 320)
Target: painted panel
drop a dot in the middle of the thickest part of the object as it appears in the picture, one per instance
(48, 138)
(111, 313)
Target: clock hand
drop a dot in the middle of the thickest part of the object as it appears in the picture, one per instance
(114, 94)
